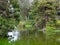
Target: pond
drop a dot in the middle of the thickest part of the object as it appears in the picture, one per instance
(33, 39)
(25, 40)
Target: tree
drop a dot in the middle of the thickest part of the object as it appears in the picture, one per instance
(8, 20)
(43, 13)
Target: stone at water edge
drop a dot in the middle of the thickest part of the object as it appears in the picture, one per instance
(13, 36)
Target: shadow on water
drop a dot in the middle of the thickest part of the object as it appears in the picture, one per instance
(37, 38)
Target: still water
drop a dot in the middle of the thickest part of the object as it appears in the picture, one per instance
(38, 38)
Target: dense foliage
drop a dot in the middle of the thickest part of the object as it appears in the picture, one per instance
(9, 18)
(41, 16)
(38, 22)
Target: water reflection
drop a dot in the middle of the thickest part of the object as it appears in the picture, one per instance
(26, 37)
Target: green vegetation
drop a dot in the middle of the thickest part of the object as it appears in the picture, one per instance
(41, 21)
